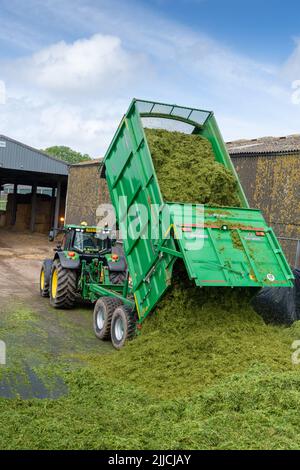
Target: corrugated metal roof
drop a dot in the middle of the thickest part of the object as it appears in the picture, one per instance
(94, 161)
(15, 155)
(265, 145)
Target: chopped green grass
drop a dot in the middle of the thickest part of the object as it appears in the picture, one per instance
(205, 373)
(187, 170)
(195, 338)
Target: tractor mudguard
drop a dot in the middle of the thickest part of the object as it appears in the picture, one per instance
(117, 266)
(67, 263)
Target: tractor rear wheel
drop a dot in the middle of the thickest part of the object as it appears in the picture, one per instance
(45, 276)
(122, 326)
(103, 311)
(63, 286)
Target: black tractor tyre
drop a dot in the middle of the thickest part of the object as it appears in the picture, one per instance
(63, 286)
(45, 276)
(123, 325)
(103, 311)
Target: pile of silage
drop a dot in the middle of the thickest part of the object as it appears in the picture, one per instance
(196, 337)
(216, 378)
(187, 170)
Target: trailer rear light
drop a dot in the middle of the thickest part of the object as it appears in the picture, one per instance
(260, 234)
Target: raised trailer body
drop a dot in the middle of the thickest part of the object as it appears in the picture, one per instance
(228, 247)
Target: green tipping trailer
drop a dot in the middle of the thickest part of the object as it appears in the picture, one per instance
(220, 246)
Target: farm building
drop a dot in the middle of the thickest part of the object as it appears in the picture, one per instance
(33, 187)
(269, 171)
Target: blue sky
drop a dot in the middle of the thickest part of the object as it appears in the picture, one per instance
(259, 28)
(71, 67)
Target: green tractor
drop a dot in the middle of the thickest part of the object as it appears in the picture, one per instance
(86, 255)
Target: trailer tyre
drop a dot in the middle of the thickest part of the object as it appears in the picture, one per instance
(45, 277)
(103, 311)
(63, 286)
(122, 326)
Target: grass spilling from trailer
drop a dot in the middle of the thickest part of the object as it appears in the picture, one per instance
(206, 373)
(187, 171)
(197, 337)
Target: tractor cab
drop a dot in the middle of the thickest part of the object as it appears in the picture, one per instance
(84, 254)
(85, 241)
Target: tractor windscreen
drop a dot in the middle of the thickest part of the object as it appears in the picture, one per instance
(88, 242)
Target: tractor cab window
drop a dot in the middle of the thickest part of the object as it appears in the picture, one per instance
(67, 241)
(87, 242)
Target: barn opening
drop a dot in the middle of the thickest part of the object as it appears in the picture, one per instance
(33, 188)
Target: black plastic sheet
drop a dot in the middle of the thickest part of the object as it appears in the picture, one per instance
(279, 305)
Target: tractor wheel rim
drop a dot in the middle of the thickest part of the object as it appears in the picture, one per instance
(100, 319)
(54, 283)
(119, 329)
(42, 280)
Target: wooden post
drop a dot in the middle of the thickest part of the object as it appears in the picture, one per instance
(57, 206)
(14, 206)
(52, 208)
(33, 208)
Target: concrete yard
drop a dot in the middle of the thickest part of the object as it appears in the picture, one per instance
(36, 335)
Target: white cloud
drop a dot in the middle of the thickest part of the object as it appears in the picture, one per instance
(74, 126)
(42, 124)
(291, 69)
(71, 93)
(213, 60)
(84, 66)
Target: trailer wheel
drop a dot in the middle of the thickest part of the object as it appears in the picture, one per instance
(103, 311)
(62, 286)
(122, 326)
(45, 276)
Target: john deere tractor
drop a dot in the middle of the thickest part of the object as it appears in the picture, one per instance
(81, 246)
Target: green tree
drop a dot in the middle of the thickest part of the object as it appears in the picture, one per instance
(67, 154)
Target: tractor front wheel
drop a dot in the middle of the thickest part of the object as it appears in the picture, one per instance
(103, 311)
(122, 326)
(63, 286)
